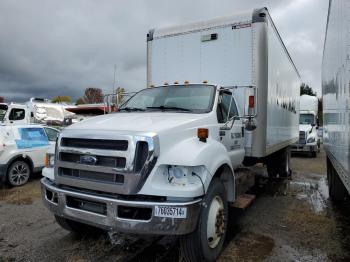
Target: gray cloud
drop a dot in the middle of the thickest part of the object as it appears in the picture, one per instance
(50, 48)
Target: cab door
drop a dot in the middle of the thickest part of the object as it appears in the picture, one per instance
(231, 130)
(16, 116)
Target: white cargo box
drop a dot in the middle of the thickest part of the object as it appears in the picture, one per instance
(309, 104)
(240, 50)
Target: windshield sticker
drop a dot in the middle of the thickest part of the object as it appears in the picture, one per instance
(31, 138)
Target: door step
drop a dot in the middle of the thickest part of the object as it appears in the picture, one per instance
(243, 201)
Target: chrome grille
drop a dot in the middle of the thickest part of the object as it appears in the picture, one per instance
(93, 176)
(117, 167)
(105, 144)
(106, 161)
(302, 137)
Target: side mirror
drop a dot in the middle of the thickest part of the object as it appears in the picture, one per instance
(313, 125)
(233, 119)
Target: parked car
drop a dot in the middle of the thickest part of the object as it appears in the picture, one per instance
(22, 151)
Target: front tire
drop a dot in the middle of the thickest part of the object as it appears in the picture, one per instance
(18, 173)
(206, 242)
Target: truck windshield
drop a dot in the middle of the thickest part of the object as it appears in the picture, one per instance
(181, 98)
(306, 119)
(3, 110)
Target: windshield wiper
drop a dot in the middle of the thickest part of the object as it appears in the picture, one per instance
(130, 109)
(169, 108)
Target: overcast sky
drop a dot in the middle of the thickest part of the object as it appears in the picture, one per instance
(50, 48)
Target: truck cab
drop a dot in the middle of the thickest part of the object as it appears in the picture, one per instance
(309, 141)
(14, 114)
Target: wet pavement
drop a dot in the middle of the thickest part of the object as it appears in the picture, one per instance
(290, 220)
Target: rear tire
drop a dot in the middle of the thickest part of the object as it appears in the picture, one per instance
(76, 227)
(313, 154)
(278, 164)
(206, 242)
(337, 190)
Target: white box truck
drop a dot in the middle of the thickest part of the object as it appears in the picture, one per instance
(309, 142)
(166, 162)
(336, 98)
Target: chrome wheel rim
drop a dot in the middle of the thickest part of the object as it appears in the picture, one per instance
(19, 174)
(216, 222)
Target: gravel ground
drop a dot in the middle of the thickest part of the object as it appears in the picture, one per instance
(289, 221)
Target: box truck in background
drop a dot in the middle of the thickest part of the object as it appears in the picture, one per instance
(167, 162)
(336, 98)
(309, 141)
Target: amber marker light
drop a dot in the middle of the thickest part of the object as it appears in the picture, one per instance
(47, 160)
(203, 134)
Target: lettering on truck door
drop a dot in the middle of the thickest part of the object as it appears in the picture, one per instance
(231, 130)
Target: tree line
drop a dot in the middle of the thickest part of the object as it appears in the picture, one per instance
(92, 95)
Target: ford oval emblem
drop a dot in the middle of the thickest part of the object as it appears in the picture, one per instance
(88, 160)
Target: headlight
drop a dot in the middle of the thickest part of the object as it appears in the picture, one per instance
(178, 174)
(50, 160)
(185, 175)
(311, 140)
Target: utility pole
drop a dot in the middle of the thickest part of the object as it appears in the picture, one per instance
(115, 70)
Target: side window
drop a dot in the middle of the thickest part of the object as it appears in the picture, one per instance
(17, 114)
(51, 133)
(224, 108)
(31, 137)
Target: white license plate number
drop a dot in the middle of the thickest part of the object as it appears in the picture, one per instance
(169, 211)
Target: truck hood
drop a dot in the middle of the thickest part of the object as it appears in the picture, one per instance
(141, 121)
(305, 128)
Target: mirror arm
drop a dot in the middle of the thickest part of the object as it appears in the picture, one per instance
(233, 119)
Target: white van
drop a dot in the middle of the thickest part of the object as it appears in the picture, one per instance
(22, 151)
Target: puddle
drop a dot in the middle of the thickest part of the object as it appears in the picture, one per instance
(314, 192)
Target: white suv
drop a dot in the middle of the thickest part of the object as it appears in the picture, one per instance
(22, 151)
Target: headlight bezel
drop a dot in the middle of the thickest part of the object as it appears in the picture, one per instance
(50, 160)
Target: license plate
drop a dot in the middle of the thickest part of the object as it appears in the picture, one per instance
(169, 211)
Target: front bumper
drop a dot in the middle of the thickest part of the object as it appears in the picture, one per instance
(304, 148)
(55, 199)
(3, 171)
